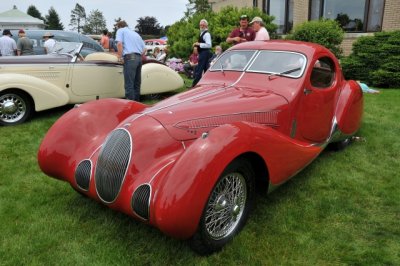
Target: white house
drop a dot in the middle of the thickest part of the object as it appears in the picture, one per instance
(15, 19)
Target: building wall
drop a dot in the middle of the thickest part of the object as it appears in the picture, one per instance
(391, 16)
(218, 4)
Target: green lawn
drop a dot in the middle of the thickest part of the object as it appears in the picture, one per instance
(343, 209)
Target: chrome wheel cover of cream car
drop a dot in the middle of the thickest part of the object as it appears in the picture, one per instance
(12, 108)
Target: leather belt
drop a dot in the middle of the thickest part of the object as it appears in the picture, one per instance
(131, 56)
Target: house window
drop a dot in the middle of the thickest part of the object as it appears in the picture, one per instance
(282, 10)
(255, 3)
(353, 16)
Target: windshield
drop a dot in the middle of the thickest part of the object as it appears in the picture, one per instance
(71, 48)
(282, 63)
(233, 60)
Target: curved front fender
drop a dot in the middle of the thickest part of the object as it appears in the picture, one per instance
(79, 132)
(44, 94)
(183, 192)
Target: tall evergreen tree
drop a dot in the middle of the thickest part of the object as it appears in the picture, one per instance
(95, 23)
(78, 18)
(34, 12)
(53, 20)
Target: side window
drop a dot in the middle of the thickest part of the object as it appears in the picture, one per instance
(323, 73)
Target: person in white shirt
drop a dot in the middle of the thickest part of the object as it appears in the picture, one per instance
(8, 47)
(258, 26)
(49, 42)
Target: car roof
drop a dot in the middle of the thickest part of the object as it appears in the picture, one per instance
(306, 48)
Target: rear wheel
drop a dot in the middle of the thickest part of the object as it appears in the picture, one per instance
(227, 208)
(15, 107)
(340, 145)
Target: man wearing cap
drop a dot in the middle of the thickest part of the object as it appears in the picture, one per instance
(130, 49)
(258, 26)
(24, 44)
(8, 47)
(49, 42)
(243, 33)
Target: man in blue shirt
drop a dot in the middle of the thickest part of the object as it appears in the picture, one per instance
(130, 49)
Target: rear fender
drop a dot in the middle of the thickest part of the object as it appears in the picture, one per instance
(349, 109)
(79, 133)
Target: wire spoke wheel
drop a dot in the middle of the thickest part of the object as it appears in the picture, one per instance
(226, 205)
(227, 208)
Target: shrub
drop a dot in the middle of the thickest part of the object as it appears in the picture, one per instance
(325, 32)
(375, 60)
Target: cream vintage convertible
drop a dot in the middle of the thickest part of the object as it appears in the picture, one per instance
(41, 82)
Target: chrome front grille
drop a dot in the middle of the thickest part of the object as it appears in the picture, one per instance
(141, 201)
(82, 174)
(112, 164)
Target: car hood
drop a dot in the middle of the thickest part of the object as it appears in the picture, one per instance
(187, 115)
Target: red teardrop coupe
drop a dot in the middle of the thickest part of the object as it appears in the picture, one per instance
(189, 165)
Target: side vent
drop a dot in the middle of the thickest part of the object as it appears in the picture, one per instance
(141, 201)
(82, 174)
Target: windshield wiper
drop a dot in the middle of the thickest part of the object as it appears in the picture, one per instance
(285, 72)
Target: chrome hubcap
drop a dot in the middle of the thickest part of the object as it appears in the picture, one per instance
(12, 108)
(225, 206)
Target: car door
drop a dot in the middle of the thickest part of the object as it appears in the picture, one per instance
(315, 113)
(97, 79)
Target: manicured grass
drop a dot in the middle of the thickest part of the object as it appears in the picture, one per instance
(343, 209)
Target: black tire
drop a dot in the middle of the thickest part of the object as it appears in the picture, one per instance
(340, 145)
(231, 198)
(15, 107)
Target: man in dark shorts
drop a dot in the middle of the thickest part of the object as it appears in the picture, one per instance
(243, 33)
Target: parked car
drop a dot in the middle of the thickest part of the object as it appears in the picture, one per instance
(40, 82)
(153, 43)
(89, 45)
(189, 165)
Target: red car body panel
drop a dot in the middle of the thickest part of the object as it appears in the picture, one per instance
(180, 146)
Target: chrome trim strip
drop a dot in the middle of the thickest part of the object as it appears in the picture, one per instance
(162, 168)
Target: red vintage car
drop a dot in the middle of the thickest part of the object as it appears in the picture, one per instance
(189, 165)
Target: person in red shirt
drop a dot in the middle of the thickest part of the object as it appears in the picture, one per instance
(191, 65)
(243, 33)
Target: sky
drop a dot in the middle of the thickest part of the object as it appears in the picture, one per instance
(165, 11)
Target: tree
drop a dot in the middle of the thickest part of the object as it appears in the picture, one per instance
(196, 7)
(78, 18)
(95, 23)
(53, 20)
(114, 30)
(182, 34)
(148, 26)
(34, 12)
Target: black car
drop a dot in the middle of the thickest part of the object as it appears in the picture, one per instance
(89, 45)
